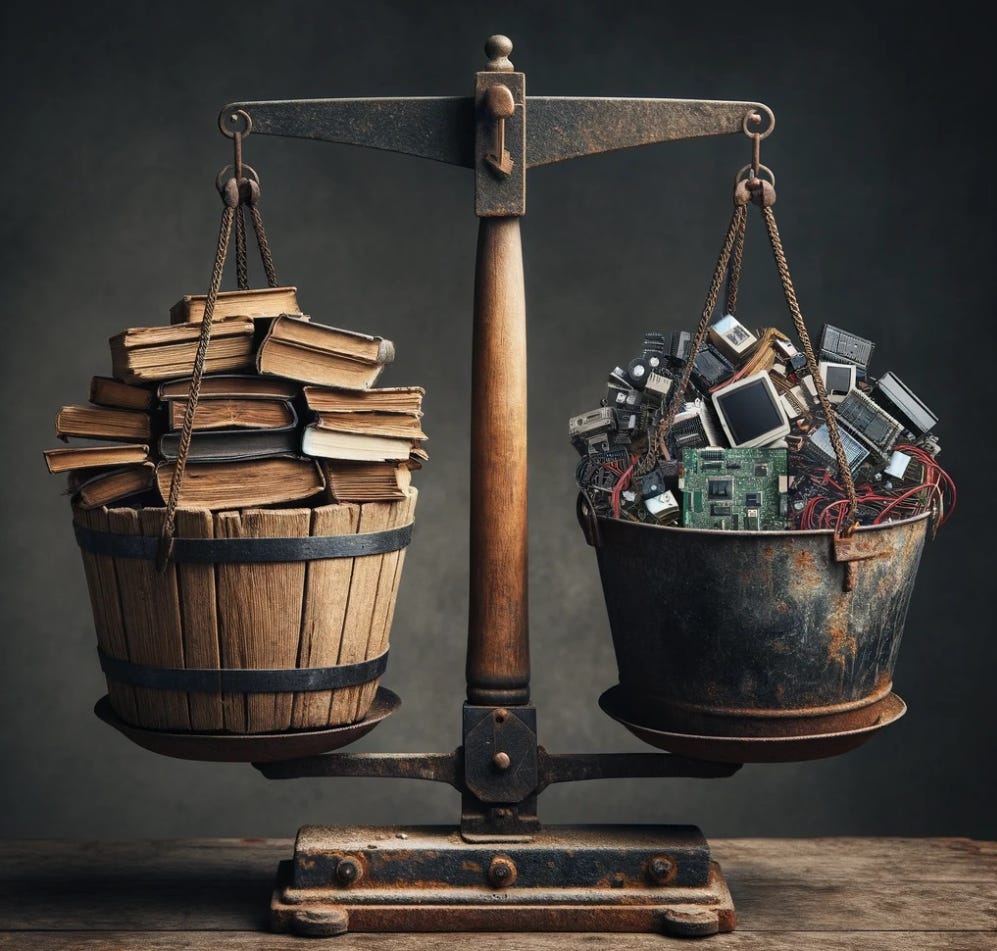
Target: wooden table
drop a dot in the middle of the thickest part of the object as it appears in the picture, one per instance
(873, 894)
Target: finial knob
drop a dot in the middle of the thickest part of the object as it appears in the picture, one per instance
(497, 49)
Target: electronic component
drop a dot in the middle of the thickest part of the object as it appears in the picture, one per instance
(601, 470)
(659, 500)
(710, 368)
(819, 448)
(654, 350)
(891, 391)
(838, 345)
(798, 362)
(869, 422)
(785, 348)
(732, 338)
(693, 428)
(658, 386)
(796, 402)
(838, 379)
(637, 372)
(751, 412)
(749, 495)
(904, 468)
(681, 345)
(623, 397)
(589, 432)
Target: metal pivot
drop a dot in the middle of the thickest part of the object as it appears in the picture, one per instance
(500, 870)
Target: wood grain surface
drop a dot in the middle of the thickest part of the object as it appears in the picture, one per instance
(836, 894)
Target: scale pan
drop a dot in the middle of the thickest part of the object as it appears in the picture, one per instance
(251, 748)
(755, 749)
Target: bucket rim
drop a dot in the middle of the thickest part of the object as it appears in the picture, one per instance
(763, 533)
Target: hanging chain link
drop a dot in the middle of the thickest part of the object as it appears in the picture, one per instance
(236, 192)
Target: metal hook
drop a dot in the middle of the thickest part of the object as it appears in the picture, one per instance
(752, 116)
(227, 117)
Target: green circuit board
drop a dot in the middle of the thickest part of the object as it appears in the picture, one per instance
(739, 490)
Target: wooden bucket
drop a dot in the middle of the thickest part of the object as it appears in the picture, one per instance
(266, 620)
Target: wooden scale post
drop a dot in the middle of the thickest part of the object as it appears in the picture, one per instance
(499, 870)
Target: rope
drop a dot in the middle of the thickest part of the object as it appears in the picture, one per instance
(844, 470)
(656, 445)
(241, 259)
(230, 196)
(734, 273)
(261, 239)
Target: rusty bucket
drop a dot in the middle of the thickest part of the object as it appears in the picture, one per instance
(762, 645)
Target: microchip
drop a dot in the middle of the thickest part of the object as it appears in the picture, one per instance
(718, 489)
(761, 469)
(753, 500)
(721, 508)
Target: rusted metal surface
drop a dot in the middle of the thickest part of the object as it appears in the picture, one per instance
(773, 748)
(434, 767)
(251, 748)
(592, 878)
(752, 634)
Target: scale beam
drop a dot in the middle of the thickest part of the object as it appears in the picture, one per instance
(441, 128)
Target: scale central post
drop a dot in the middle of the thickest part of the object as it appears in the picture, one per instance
(500, 870)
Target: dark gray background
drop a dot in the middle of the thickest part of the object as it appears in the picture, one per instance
(109, 215)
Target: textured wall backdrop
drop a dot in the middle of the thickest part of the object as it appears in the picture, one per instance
(109, 215)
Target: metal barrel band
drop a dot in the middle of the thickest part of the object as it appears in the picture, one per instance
(240, 680)
(238, 550)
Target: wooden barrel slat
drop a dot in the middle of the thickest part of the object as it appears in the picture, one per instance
(374, 517)
(151, 613)
(326, 584)
(103, 588)
(384, 604)
(199, 615)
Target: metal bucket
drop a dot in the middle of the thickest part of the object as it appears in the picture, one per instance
(754, 634)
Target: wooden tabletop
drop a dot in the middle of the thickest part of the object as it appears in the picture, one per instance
(874, 894)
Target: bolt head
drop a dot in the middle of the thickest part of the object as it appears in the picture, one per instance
(501, 760)
(661, 868)
(502, 872)
(348, 871)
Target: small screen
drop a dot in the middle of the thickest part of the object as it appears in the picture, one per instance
(838, 379)
(749, 411)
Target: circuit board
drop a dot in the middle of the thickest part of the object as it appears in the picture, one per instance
(735, 489)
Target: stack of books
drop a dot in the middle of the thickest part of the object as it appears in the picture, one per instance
(287, 412)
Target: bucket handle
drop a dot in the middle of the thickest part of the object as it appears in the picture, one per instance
(585, 511)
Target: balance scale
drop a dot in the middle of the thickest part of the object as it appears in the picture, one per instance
(499, 869)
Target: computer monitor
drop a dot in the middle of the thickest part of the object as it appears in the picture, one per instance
(751, 412)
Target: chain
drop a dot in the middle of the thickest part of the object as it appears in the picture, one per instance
(734, 272)
(656, 444)
(231, 199)
(844, 469)
(241, 259)
(261, 239)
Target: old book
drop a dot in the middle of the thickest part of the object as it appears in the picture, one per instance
(224, 485)
(105, 391)
(232, 385)
(111, 486)
(388, 399)
(314, 353)
(233, 413)
(366, 481)
(263, 302)
(229, 445)
(161, 353)
(396, 425)
(94, 457)
(362, 447)
(101, 422)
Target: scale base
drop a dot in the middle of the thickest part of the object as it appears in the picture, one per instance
(564, 878)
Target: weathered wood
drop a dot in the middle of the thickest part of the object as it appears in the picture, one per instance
(748, 941)
(198, 612)
(327, 584)
(360, 610)
(259, 614)
(152, 620)
(498, 661)
(215, 886)
(102, 583)
(391, 572)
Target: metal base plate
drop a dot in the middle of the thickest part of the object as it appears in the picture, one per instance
(755, 749)
(251, 747)
(586, 878)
